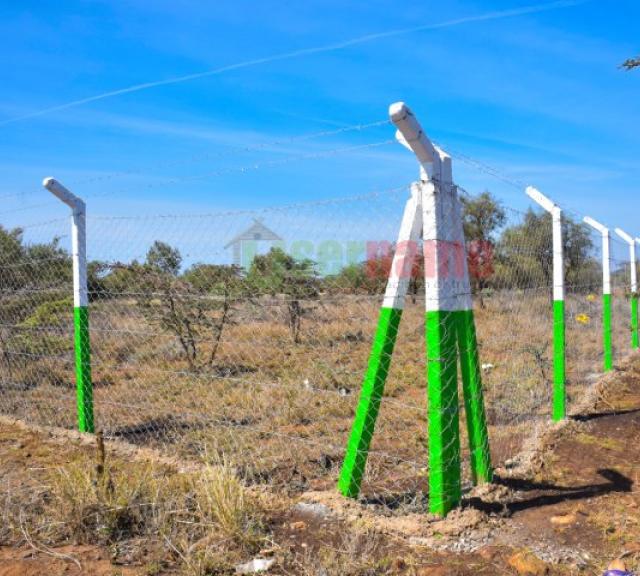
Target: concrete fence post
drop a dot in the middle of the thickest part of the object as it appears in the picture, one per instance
(84, 388)
(606, 292)
(559, 409)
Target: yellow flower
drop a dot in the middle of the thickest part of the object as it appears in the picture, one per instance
(591, 298)
(583, 319)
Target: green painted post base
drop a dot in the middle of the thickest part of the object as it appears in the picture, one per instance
(84, 388)
(444, 434)
(606, 333)
(369, 403)
(559, 380)
(474, 399)
(634, 321)
(447, 333)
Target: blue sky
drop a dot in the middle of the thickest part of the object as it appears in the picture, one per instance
(538, 95)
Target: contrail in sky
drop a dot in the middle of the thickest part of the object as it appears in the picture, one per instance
(495, 15)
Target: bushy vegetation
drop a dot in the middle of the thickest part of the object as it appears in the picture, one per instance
(197, 354)
(524, 255)
(34, 282)
(279, 274)
(197, 304)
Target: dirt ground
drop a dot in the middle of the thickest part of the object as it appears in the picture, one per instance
(572, 510)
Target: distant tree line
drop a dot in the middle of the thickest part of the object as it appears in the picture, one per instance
(500, 255)
(198, 303)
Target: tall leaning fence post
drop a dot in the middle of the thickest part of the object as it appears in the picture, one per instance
(634, 285)
(606, 292)
(384, 342)
(450, 333)
(559, 410)
(84, 388)
(433, 211)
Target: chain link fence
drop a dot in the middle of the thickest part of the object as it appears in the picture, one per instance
(246, 335)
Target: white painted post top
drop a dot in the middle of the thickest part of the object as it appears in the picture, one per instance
(60, 192)
(411, 134)
(595, 224)
(539, 198)
(626, 237)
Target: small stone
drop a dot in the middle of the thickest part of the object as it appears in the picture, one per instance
(527, 564)
(297, 526)
(488, 553)
(312, 508)
(254, 566)
(564, 519)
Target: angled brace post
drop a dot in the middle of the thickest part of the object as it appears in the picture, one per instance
(634, 285)
(606, 292)
(84, 388)
(382, 349)
(450, 326)
(559, 410)
(434, 210)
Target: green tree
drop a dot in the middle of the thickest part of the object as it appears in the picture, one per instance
(195, 308)
(120, 279)
(279, 274)
(225, 286)
(49, 264)
(11, 256)
(164, 258)
(482, 217)
(34, 278)
(525, 252)
(368, 277)
(215, 278)
(35, 265)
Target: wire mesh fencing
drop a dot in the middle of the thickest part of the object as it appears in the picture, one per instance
(263, 336)
(246, 334)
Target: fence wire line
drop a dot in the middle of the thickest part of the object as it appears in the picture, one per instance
(231, 151)
(247, 333)
(218, 173)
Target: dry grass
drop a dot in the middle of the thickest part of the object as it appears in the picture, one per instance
(356, 554)
(103, 510)
(282, 412)
(202, 522)
(221, 500)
